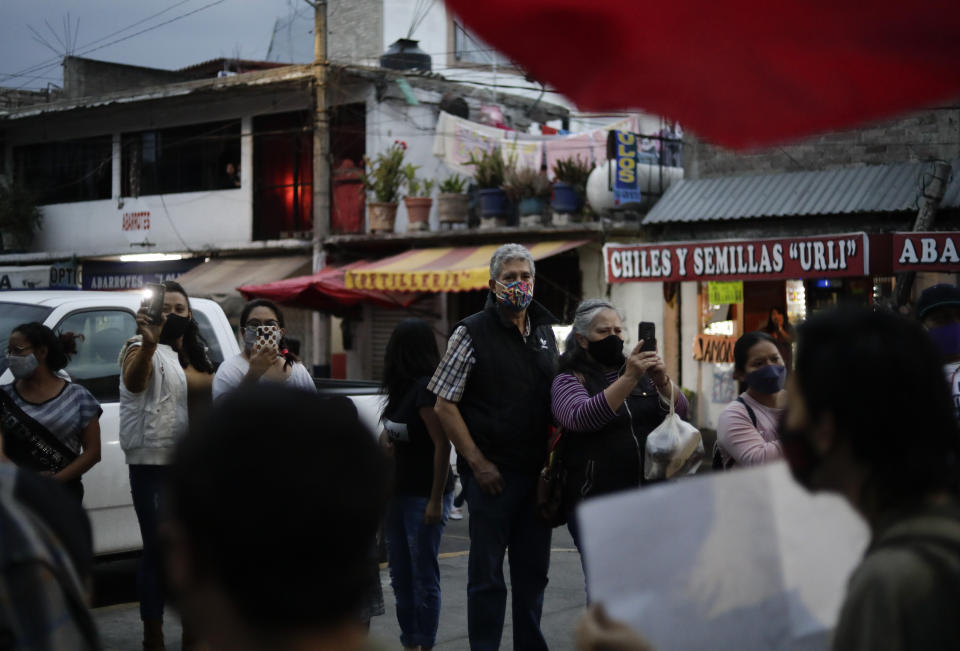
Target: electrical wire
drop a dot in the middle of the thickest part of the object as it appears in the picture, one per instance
(56, 60)
(138, 33)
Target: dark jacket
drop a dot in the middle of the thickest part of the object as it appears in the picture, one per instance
(506, 402)
(611, 458)
(904, 594)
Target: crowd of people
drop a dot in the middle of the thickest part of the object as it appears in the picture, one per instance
(259, 500)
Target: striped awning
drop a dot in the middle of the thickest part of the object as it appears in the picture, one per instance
(444, 269)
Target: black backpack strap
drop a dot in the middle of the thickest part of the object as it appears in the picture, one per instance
(750, 413)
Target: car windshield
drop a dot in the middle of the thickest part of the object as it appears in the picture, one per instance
(12, 315)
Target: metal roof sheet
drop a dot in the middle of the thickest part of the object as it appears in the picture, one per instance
(871, 189)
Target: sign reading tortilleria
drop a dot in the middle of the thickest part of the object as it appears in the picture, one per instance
(770, 259)
(926, 251)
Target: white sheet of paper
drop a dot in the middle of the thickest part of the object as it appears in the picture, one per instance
(736, 560)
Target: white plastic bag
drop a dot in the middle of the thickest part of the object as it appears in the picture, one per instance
(673, 448)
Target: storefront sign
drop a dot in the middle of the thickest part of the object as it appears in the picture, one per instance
(133, 275)
(713, 349)
(725, 292)
(135, 220)
(56, 276)
(626, 186)
(926, 251)
(772, 259)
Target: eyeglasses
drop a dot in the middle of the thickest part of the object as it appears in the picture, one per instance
(256, 323)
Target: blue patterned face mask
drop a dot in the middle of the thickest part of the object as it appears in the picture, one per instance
(516, 295)
(249, 337)
(769, 379)
(22, 366)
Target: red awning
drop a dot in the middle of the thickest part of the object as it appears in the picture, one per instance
(740, 73)
(325, 291)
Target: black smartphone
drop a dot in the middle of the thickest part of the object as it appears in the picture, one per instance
(153, 301)
(647, 331)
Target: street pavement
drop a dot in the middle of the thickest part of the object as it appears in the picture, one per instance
(118, 617)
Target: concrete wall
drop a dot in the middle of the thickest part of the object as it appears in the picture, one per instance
(924, 135)
(89, 78)
(178, 222)
(355, 31)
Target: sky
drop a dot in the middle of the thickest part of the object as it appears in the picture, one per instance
(219, 28)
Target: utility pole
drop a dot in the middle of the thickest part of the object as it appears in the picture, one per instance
(929, 203)
(321, 173)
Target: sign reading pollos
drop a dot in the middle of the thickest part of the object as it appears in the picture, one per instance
(626, 187)
(769, 259)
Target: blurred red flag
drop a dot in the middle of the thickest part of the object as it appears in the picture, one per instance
(740, 73)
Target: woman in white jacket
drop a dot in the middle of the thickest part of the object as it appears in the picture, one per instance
(161, 366)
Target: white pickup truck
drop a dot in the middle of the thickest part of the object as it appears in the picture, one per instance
(106, 320)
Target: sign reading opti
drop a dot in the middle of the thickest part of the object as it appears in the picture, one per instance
(773, 259)
(926, 251)
(62, 275)
(626, 187)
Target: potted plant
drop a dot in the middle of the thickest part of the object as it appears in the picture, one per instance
(452, 200)
(530, 191)
(418, 199)
(20, 217)
(383, 177)
(489, 176)
(570, 187)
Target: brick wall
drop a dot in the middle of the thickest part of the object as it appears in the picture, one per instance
(355, 31)
(933, 133)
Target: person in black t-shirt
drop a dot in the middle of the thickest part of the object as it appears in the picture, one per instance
(422, 493)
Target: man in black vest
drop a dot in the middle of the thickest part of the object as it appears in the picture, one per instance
(493, 400)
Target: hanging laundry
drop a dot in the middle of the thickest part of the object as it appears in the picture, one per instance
(522, 153)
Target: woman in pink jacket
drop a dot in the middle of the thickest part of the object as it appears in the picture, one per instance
(747, 429)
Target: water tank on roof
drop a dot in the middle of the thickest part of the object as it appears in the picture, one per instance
(404, 54)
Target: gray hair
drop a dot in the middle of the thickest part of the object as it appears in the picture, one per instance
(509, 252)
(585, 315)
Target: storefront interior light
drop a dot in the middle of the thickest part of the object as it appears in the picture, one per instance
(150, 257)
(722, 328)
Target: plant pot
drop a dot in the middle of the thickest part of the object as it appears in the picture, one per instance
(531, 211)
(493, 202)
(382, 216)
(418, 213)
(452, 208)
(531, 206)
(565, 199)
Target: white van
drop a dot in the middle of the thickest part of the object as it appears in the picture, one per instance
(106, 320)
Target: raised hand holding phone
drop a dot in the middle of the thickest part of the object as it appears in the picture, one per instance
(150, 315)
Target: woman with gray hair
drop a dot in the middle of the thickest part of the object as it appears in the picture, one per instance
(607, 403)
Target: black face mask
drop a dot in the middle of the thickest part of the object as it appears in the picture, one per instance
(174, 328)
(608, 351)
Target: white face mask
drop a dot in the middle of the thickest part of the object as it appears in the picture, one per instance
(22, 366)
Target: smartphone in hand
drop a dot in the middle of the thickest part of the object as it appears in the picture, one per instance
(267, 337)
(647, 331)
(153, 301)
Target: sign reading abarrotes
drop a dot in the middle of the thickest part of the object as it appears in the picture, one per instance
(926, 251)
(768, 259)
